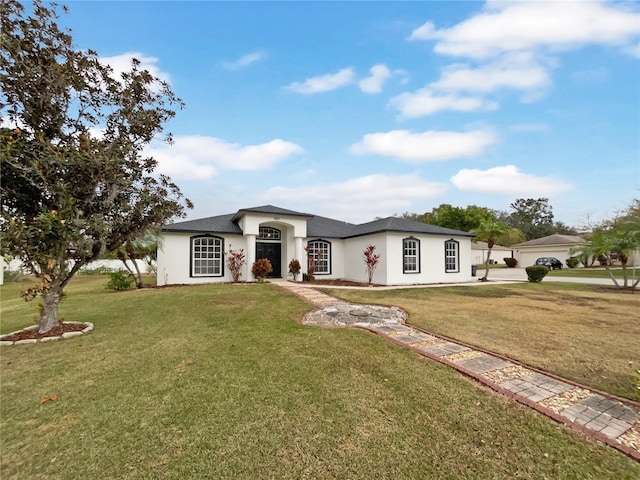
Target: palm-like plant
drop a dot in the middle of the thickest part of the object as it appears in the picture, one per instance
(489, 231)
(623, 240)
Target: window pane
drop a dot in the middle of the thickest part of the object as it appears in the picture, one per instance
(206, 256)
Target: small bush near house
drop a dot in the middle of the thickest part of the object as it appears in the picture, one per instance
(306, 277)
(261, 268)
(536, 273)
(120, 280)
(294, 268)
(235, 262)
(511, 262)
(572, 262)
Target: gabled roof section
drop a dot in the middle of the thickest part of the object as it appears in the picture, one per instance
(269, 210)
(394, 224)
(218, 224)
(555, 239)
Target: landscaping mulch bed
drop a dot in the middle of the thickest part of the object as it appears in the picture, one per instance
(338, 283)
(54, 332)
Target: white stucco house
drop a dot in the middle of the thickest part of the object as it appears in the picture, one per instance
(410, 252)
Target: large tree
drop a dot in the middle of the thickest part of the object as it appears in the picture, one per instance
(75, 181)
(533, 217)
(457, 218)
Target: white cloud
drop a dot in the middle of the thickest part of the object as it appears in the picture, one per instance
(427, 102)
(199, 157)
(375, 82)
(428, 146)
(517, 71)
(505, 26)
(324, 83)
(245, 61)
(359, 199)
(122, 63)
(507, 180)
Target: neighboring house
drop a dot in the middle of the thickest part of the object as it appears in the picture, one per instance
(558, 246)
(480, 250)
(410, 252)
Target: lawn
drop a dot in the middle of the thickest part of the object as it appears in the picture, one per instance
(223, 382)
(592, 273)
(585, 333)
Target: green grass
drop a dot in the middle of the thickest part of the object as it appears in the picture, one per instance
(223, 382)
(591, 273)
(585, 333)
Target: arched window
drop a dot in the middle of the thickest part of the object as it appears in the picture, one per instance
(319, 255)
(451, 256)
(410, 255)
(207, 256)
(268, 233)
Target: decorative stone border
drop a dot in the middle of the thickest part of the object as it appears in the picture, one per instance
(87, 329)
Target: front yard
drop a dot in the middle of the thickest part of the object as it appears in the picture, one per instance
(584, 333)
(223, 382)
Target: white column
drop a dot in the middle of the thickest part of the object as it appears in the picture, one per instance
(251, 255)
(300, 256)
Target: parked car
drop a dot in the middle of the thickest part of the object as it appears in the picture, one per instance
(552, 263)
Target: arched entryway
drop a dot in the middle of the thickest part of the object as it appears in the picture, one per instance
(269, 245)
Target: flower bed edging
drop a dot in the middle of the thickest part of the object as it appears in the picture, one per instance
(88, 327)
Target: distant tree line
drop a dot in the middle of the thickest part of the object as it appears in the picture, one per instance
(528, 218)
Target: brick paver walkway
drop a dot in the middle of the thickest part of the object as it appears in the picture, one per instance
(611, 420)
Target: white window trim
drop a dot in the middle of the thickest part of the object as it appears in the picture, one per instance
(328, 259)
(456, 257)
(217, 256)
(405, 256)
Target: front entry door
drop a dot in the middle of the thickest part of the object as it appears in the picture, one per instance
(272, 251)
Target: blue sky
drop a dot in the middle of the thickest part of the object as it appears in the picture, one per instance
(357, 110)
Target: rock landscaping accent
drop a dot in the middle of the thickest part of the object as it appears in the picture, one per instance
(30, 335)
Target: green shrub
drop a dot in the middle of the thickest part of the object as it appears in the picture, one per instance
(511, 262)
(120, 280)
(101, 270)
(573, 262)
(13, 276)
(536, 273)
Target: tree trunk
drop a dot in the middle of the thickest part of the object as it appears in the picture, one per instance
(49, 309)
(486, 272)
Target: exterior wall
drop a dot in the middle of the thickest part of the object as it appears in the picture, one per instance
(432, 260)
(527, 256)
(174, 259)
(354, 266)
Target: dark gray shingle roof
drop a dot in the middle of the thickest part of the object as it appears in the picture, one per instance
(328, 227)
(394, 224)
(316, 226)
(271, 210)
(218, 224)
